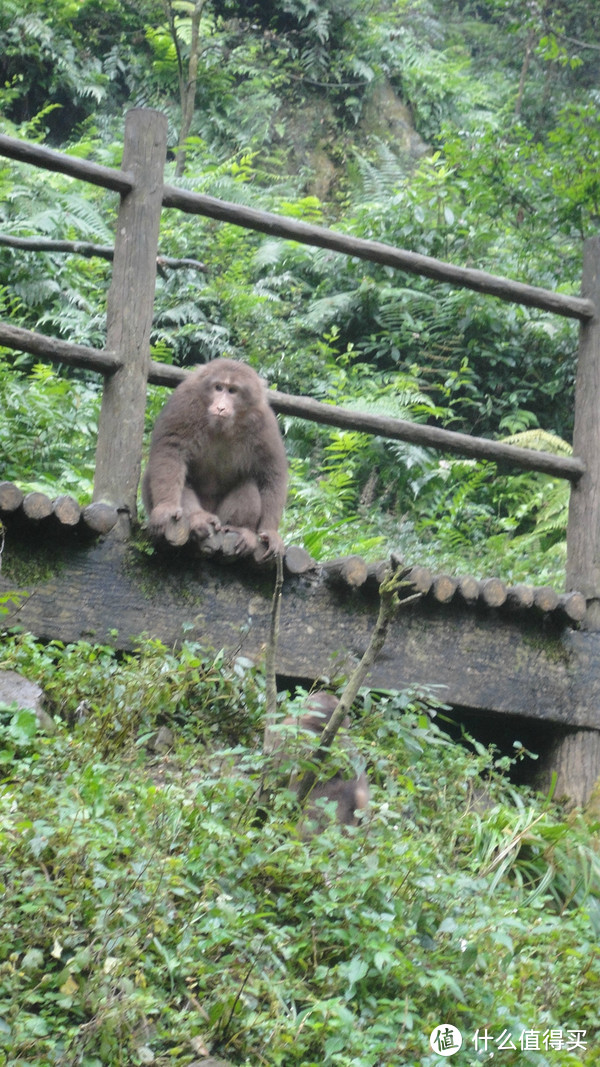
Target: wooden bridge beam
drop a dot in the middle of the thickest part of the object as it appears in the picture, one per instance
(492, 663)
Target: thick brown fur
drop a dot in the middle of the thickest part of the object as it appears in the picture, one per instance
(217, 459)
(350, 795)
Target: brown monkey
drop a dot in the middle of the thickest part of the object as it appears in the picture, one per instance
(217, 460)
(350, 794)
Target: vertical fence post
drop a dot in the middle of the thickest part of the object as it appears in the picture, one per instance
(583, 535)
(129, 311)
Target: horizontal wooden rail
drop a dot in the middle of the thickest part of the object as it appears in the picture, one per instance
(58, 351)
(429, 436)
(279, 226)
(302, 407)
(48, 159)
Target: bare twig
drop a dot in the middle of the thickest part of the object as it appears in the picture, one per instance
(389, 603)
(87, 249)
(271, 657)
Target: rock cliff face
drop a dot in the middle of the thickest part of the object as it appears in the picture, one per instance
(387, 119)
(315, 143)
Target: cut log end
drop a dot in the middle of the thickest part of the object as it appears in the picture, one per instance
(468, 589)
(11, 498)
(99, 518)
(348, 570)
(519, 597)
(545, 598)
(37, 507)
(443, 588)
(66, 510)
(493, 592)
(573, 606)
(421, 579)
(298, 561)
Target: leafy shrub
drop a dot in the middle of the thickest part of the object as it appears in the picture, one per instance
(48, 428)
(147, 916)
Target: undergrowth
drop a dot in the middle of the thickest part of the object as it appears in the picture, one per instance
(148, 916)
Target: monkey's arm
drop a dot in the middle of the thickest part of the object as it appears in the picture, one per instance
(273, 494)
(162, 488)
(270, 518)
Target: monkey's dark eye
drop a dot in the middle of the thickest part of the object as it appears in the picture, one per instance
(218, 387)
(233, 389)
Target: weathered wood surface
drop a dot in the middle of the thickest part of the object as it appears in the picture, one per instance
(302, 407)
(571, 467)
(37, 506)
(499, 661)
(11, 498)
(296, 230)
(88, 251)
(351, 572)
(48, 159)
(574, 757)
(56, 351)
(347, 570)
(129, 312)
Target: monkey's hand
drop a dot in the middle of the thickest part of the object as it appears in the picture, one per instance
(203, 524)
(161, 516)
(273, 543)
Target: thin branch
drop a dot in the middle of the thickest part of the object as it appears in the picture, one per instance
(47, 244)
(389, 603)
(85, 248)
(271, 655)
(576, 41)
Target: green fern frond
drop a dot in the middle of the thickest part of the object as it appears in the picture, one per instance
(91, 223)
(541, 441)
(269, 254)
(328, 309)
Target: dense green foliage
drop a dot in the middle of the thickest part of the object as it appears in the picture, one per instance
(147, 915)
(306, 109)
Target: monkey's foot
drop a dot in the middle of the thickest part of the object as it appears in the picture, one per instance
(272, 543)
(203, 524)
(246, 540)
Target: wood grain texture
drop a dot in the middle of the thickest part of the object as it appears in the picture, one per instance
(129, 312)
(57, 351)
(48, 159)
(583, 534)
(305, 407)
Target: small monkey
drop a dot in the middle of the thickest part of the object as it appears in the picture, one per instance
(350, 794)
(217, 459)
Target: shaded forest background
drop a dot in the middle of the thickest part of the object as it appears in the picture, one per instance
(147, 917)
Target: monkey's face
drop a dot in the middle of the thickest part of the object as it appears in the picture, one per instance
(228, 400)
(223, 400)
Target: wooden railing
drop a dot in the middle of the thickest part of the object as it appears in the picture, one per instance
(127, 367)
